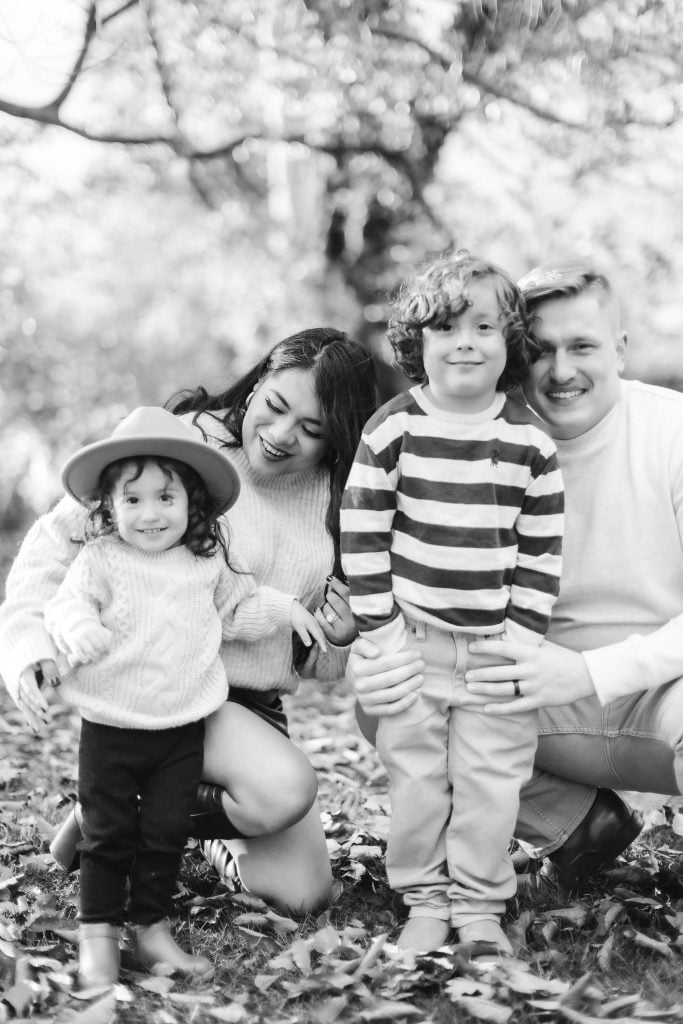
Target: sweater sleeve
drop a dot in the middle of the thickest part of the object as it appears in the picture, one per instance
(539, 526)
(249, 612)
(39, 568)
(80, 596)
(646, 662)
(367, 515)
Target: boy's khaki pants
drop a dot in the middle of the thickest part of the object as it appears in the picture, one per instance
(456, 775)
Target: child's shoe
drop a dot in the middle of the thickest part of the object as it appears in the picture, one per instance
(486, 931)
(153, 944)
(98, 954)
(423, 934)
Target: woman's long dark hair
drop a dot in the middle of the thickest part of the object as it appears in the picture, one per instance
(344, 378)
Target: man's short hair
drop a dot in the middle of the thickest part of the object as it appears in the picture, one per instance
(561, 278)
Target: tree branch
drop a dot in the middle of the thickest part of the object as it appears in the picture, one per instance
(88, 35)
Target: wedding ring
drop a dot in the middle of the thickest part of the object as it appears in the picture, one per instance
(331, 616)
(518, 692)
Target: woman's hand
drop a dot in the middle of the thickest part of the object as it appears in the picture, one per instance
(30, 700)
(335, 616)
(385, 684)
(546, 676)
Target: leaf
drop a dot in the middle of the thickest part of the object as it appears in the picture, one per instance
(20, 997)
(231, 1014)
(389, 1010)
(578, 915)
(301, 955)
(483, 1009)
(102, 1011)
(529, 984)
(328, 1011)
(161, 986)
(326, 940)
(655, 945)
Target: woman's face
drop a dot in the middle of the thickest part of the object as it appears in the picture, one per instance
(282, 430)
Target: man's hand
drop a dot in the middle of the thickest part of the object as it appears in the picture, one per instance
(384, 684)
(545, 676)
(87, 641)
(30, 700)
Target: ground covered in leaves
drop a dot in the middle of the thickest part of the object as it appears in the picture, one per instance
(613, 954)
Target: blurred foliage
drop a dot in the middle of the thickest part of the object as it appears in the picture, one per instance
(192, 181)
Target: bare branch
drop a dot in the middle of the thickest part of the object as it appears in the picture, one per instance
(114, 14)
(88, 35)
(163, 70)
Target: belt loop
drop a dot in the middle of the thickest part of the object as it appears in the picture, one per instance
(420, 631)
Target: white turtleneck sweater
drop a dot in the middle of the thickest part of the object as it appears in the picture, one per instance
(276, 528)
(621, 596)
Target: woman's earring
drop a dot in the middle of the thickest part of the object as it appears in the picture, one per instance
(248, 399)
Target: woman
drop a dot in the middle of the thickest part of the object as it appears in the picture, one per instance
(290, 426)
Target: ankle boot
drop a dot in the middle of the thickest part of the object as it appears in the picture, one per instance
(98, 954)
(153, 944)
(64, 846)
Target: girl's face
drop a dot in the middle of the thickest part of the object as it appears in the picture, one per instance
(282, 430)
(150, 512)
(465, 357)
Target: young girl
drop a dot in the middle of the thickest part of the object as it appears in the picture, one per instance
(140, 616)
(451, 531)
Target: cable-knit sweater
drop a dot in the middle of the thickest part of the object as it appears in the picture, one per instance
(276, 528)
(167, 612)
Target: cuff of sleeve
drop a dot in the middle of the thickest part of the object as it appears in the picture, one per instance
(281, 605)
(390, 637)
(615, 671)
(517, 634)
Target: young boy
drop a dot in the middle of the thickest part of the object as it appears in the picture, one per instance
(451, 531)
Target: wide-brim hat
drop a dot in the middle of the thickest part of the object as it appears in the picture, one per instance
(151, 430)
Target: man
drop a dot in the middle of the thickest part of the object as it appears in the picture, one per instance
(608, 678)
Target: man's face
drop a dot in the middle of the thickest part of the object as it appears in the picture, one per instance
(575, 382)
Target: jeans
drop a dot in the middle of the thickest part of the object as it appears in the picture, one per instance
(136, 788)
(455, 776)
(634, 743)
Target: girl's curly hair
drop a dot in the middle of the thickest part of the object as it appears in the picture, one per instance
(203, 536)
(427, 300)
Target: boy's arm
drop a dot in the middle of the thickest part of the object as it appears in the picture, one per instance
(539, 526)
(367, 515)
(40, 566)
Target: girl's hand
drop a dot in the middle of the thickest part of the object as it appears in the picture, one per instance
(384, 684)
(546, 676)
(307, 626)
(87, 641)
(335, 615)
(30, 700)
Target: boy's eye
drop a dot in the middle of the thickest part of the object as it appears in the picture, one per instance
(130, 500)
(485, 326)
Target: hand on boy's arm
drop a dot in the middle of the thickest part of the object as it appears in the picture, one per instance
(335, 616)
(307, 627)
(85, 642)
(384, 684)
(547, 676)
(30, 700)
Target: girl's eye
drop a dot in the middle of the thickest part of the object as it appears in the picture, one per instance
(166, 498)
(271, 405)
(131, 501)
(485, 327)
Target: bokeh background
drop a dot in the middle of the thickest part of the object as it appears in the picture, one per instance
(183, 183)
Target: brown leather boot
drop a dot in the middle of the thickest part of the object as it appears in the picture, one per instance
(98, 954)
(153, 944)
(64, 846)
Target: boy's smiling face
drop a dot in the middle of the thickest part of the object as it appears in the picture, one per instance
(465, 357)
(575, 382)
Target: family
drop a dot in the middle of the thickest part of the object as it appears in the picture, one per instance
(494, 557)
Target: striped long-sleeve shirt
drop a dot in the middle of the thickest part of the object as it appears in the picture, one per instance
(453, 519)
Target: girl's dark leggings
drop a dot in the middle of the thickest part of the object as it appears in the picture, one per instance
(137, 788)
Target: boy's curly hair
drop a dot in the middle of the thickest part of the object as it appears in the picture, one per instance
(204, 534)
(428, 298)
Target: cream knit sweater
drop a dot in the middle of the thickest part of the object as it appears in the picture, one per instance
(276, 528)
(167, 612)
